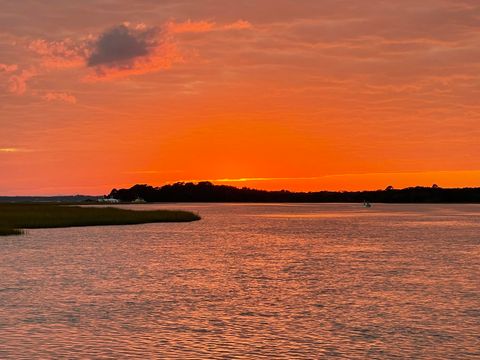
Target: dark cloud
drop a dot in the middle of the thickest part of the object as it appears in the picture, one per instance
(122, 44)
(123, 50)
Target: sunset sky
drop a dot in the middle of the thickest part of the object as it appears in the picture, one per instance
(271, 94)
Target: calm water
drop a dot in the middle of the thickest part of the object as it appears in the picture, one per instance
(249, 281)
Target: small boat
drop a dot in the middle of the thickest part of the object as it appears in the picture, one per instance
(366, 204)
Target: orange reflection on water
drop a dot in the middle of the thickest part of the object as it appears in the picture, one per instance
(243, 284)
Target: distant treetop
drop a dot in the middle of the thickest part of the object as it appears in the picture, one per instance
(207, 192)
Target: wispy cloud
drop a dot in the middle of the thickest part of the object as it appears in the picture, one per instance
(16, 79)
(332, 176)
(151, 172)
(10, 150)
(65, 53)
(17, 83)
(250, 179)
(190, 26)
(60, 96)
(8, 68)
(120, 51)
(262, 179)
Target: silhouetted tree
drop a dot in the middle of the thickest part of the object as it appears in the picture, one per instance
(208, 192)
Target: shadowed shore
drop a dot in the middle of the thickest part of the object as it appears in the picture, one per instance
(207, 192)
(14, 217)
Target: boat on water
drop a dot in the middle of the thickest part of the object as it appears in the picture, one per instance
(366, 204)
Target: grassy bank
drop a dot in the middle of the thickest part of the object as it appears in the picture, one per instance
(14, 217)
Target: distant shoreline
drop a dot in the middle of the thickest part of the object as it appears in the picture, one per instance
(206, 192)
(96, 204)
(210, 193)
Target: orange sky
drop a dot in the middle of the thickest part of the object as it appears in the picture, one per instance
(272, 94)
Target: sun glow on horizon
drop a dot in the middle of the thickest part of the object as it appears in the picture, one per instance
(364, 181)
(295, 97)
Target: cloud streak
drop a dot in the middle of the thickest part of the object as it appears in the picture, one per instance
(60, 96)
(203, 26)
(17, 84)
(117, 52)
(65, 53)
(251, 179)
(124, 50)
(11, 150)
(8, 68)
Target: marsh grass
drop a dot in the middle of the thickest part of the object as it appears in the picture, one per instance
(14, 217)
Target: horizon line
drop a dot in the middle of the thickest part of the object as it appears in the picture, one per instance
(292, 191)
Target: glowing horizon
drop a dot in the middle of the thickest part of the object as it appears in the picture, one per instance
(301, 95)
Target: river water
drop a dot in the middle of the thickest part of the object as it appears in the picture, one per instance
(256, 281)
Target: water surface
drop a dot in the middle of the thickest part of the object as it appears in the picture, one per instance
(283, 281)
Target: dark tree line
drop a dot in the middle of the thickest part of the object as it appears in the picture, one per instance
(208, 192)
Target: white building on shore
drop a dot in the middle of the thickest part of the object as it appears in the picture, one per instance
(108, 200)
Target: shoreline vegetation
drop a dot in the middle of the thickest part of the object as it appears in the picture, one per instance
(208, 192)
(16, 217)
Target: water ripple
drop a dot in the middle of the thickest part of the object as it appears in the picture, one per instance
(249, 281)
